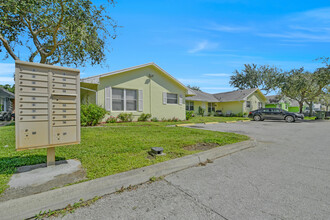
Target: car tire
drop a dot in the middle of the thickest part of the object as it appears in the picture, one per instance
(257, 118)
(289, 119)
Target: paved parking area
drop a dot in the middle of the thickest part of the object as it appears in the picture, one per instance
(286, 176)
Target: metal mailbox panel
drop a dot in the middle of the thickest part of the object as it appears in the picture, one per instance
(33, 111)
(33, 134)
(64, 134)
(33, 77)
(47, 105)
(64, 123)
(33, 105)
(33, 118)
(64, 91)
(27, 89)
(64, 111)
(64, 106)
(64, 99)
(64, 80)
(33, 99)
(63, 86)
(64, 117)
(33, 83)
(63, 74)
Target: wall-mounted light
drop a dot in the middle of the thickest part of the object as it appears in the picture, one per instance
(150, 75)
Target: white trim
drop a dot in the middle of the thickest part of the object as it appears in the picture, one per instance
(164, 98)
(92, 90)
(140, 97)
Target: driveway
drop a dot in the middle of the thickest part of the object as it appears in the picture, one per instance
(286, 176)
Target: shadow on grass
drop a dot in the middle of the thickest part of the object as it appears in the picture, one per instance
(8, 165)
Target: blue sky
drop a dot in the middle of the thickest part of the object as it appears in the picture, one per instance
(201, 42)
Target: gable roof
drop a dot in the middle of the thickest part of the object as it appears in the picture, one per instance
(96, 79)
(7, 93)
(238, 95)
(202, 96)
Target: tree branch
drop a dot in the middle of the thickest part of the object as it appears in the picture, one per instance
(33, 55)
(8, 48)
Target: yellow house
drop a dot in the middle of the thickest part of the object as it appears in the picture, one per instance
(140, 89)
(235, 102)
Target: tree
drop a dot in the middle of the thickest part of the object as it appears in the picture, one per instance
(56, 31)
(197, 88)
(9, 87)
(264, 77)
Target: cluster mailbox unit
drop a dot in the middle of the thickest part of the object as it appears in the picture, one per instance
(47, 106)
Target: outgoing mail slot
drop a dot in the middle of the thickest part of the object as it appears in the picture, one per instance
(32, 76)
(33, 134)
(33, 111)
(64, 106)
(64, 80)
(63, 123)
(63, 86)
(64, 117)
(33, 99)
(64, 91)
(33, 118)
(33, 105)
(39, 90)
(64, 74)
(64, 99)
(33, 83)
(62, 135)
(64, 112)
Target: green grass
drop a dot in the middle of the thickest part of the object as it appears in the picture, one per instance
(309, 118)
(108, 150)
(197, 119)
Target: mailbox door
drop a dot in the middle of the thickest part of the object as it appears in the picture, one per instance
(33, 134)
(64, 111)
(63, 86)
(64, 134)
(64, 80)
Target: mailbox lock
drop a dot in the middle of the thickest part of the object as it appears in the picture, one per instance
(33, 76)
(34, 132)
(54, 112)
(21, 112)
(53, 117)
(21, 89)
(21, 118)
(33, 82)
(53, 79)
(21, 82)
(33, 117)
(21, 105)
(53, 90)
(21, 76)
(53, 106)
(33, 89)
(21, 98)
(26, 130)
(53, 85)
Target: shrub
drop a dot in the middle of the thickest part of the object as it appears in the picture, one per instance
(174, 119)
(91, 114)
(125, 117)
(189, 115)
(163, 119)
(240, 114)
(154, 119)
(233, 115)
(144, 117)
(201, 111)
(112, 119)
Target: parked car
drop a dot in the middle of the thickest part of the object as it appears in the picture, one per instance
(5, 116)
(274, 114)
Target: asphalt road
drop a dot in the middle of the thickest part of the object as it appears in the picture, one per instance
(286, 176)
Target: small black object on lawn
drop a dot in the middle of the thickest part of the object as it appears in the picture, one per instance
(157, 150)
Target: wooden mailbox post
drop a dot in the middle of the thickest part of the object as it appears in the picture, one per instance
(47, 107)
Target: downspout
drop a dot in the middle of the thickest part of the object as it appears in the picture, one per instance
(150, 76)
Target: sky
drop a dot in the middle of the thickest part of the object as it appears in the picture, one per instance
(202, 42)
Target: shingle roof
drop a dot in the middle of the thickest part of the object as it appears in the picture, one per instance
(202, 96)
(7, 93)
(273, 99)
(237, 95)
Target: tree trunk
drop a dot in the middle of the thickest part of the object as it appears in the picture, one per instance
(301, 104)
(310, 109)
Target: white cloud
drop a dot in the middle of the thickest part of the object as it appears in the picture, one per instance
(216, 74)
(203, 45)
(228, 28)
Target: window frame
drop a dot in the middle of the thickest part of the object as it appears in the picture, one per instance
(190, 105)
(248, 104)
(124, 100)
(210, 107)
(167, 98)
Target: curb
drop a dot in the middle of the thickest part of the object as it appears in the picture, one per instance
(29, 206)
(230, 122)
(183, 125)
(210, 123)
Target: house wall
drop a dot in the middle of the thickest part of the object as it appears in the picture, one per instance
(198, 104)
(87, 97)
(235, 107)
(152, 88)
(254, 99)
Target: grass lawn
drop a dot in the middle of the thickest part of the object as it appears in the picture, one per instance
(108, 150)
(309, 118)
(197, 119)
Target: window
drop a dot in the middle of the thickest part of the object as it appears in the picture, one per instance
(211, 107)
(124, 100)
(248, 104)
(189, 105)
(259, 104)
(131, 100)
(172, 98)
